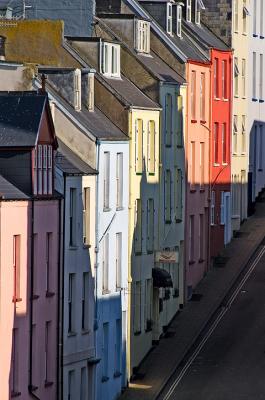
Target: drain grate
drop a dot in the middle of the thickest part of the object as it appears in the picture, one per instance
(239, 234)
(196, 297)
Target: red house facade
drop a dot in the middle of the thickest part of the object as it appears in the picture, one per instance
(220, 152)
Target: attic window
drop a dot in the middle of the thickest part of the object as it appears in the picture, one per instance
(142, 36)
(198, 7)
(77, 89)
(188, 11)
(179, 20)
(110, 60)
(169, 18)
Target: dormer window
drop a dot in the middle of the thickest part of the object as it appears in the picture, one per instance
(169, 18)
(110, 60)
(142, 36)
(179, 20)
(77, 89)
(198, 7)
(188, 11)
(43, 170)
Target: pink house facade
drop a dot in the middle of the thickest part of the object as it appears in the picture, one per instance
(29, 243)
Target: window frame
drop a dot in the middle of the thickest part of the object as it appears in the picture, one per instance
(110, 60)
(169, 21)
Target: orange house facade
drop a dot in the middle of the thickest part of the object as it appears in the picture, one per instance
(197, 147)
(220, 157)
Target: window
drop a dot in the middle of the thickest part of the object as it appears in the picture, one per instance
(193, 166)
(236, 15)
(84, 382)
(48, 356)
(77, 89)
(243, 134)
(16, 267)
(117, 354)
(201, 237)
(168, 118)
(138, 227)
(137, 308)
(216, 143)
(254, 17)
(235, 131)
(147, 304)
(244, 78)
(50, 169)
(105, 264)
(261, 18)
(40, 169)
(151, 147)
(35, 356)
(178, 195)
(261, 76)
(213, 208)
(48, 262)
(106, 204)
(236, 76)
(71, 302)
(216, 78)
(222, 209)
(202, 158)
(139, 146)
(36, 272)
(188, 11)
(105, 350)
(14, 363)
(202, 97)
(71, 385)
(245, 13)
(193, 95)
(198, 6)
(35, 171)
(85, 302)
(86, 216)
(118, 260)
(110, 60)
(169, 18)
(119, 180)
(167, 196)
(224, 79)
(179, 20)
(260, 164)
(72, 217)
(179, 116)
(150, 226)
(254, 76)
(224, 144)
(191, 239)
(142, 37)
(45, 180)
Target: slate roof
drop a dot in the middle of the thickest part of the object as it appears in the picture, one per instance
(68, 162)
(10, 192)
(20, 117)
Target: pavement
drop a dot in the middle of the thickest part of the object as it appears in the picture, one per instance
(160, 364)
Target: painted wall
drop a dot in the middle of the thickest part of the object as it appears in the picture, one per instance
(196, 197)
(111, 304)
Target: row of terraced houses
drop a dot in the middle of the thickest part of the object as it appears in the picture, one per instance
(131, 150)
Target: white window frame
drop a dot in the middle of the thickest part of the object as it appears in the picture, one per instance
(106, 183)
(179, 21)
(236, 76)
(105, 264)
(137, 305)
(110, 60)
(119, 180)
(50, 169)
(235, 132)
(85, 301)
(261, 64)
(167, 196)
(222, 209)
(254, 75)
(169, 18)
(151, 144)
(244, 77)
(150, 226)
(188, 11)
(118, 260)
(138, 226)
(77, 89)
(198, 7)
(142, 36)
(243, 141)
(40, 169)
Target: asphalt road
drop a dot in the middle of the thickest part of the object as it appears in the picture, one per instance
(231, 365)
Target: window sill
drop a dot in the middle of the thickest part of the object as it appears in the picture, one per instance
(216, 164)
(72, 247)
(261, 101)
(139, 173)
(193, 190)
(48, 383)
(15, 394)
(149, 251)
(201, 260)
(255, 35)
(106, 291)
(138, 333)
(202, 190)
(151, 173)
(70, 334)
(168, 146)
(85, 331)
(117, 374)
(17, 300)
(217, 98)
(260, 170)
(180, 146)
(50, 294)
(33, 388)
(236, 96)
(119, 208)
(106, 209)
(254, 99)
(168, 222)
(261, 37)
(104, 379)
(191, 262)
(235, 216)
(224, 163)
(193, 121)
(226, 100)
(178, 220)
(202, 121)
(35, 297)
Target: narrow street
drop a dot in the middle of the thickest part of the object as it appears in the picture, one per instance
(231, 364)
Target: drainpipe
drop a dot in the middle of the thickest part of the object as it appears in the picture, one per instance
(60, 308)
(96, 261)
(31, 387)
(210, 174)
